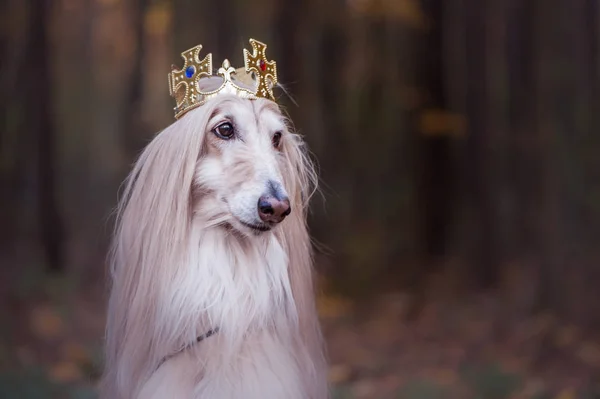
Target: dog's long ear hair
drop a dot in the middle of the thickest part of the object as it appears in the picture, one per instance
(150, 240)
(300, 179)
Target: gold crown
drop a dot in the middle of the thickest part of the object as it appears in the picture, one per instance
(256, 79)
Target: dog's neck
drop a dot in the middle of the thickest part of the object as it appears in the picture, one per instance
(251, 274)
(233, 283)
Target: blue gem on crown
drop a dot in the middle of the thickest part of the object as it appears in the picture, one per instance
(190, 71)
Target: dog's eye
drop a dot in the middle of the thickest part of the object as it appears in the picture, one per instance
(276, 139)
(224, 131)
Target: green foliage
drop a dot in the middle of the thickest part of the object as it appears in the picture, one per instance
(422, 390)
(542, 395)
(342, 392)
(491, 382)
(83, 393)
(30, 384)
(93, 368)
(33, 383)
(591, 393)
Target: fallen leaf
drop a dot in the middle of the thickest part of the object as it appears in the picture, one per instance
(531, 389)
(332, 307)
(339, 373)
(74, 352)
(64, 372)
(437, 122)
(364, 389)
(46, 323)
(108, 2)
(566, 394)
(446, 376)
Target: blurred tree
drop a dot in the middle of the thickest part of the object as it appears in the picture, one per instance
(435, 167)
(480, 174)
(12, 48)
(38, 84)
(133, 126)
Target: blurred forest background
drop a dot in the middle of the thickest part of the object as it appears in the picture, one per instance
(459, 151)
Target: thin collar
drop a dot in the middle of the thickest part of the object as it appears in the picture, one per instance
(200, 338)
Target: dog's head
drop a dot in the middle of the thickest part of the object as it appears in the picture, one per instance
(243, 175)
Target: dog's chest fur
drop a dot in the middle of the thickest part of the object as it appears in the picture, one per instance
(241, 287)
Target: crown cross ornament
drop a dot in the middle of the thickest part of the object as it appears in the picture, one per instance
(188, 76)
(265, 70)
(255, 80)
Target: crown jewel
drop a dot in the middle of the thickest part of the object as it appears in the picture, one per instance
(255, 80)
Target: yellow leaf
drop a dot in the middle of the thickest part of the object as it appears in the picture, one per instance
(65, 372)
(108, 2)
(566, 394)
(447, 376)
(46, 323)
(364, 388)
(407, 11)
(332, 307)
(74, 352)
(436, 122)
(158, 19)
(339, 373)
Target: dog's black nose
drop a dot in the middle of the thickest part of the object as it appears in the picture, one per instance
(273, 210)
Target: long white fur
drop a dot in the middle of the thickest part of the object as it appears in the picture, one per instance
(182, 264)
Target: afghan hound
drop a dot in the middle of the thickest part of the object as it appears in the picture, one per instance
(211, 283)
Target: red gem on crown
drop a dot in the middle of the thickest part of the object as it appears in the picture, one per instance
(262, 64)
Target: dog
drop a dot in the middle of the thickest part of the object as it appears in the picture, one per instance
(212, 290)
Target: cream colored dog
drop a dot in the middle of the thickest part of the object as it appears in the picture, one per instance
(212, 294)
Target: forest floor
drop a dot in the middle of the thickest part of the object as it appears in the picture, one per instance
(50, 337)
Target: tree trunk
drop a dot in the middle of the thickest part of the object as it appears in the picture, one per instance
(134, 132)
(479, 164)
(41, 100)
(435, 168)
